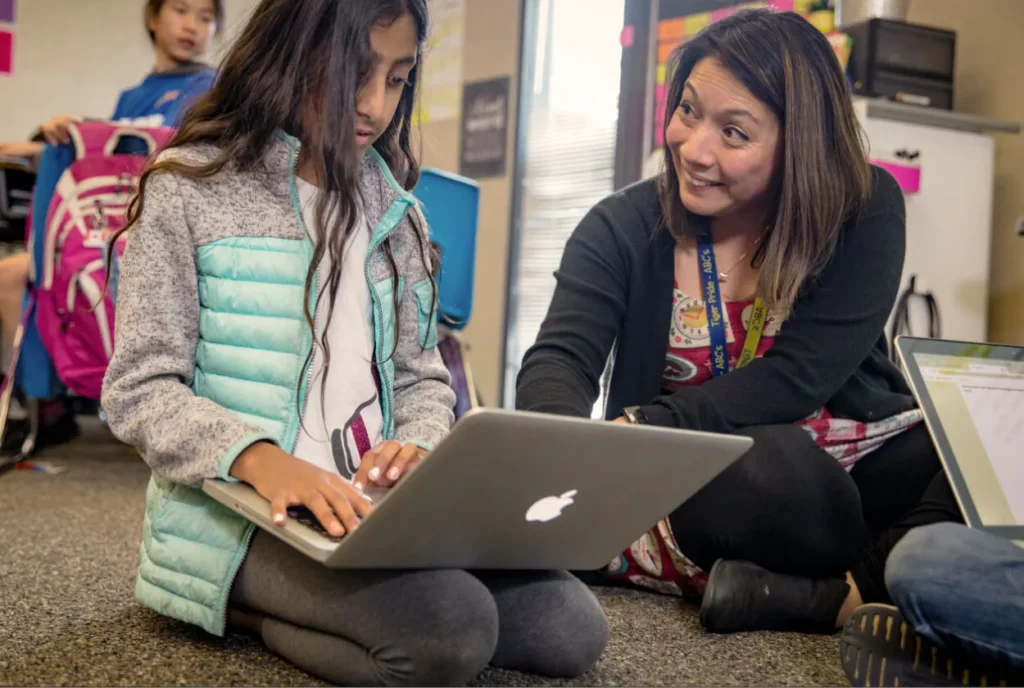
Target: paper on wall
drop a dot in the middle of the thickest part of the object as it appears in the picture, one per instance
(440, 96)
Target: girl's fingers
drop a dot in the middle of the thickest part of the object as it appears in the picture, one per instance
(322, 510)
(404, 462)
(361, 503)
(359, 480)
(386, 454)
(279, 509)
(343, 508)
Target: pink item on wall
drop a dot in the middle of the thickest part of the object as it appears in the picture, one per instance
(907, 176)
(627, 36)
(6, 52)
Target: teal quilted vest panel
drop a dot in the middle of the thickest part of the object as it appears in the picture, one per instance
(253, 335)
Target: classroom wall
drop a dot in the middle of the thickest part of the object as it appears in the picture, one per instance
(76, 56)
(490, 50)
(988, 82)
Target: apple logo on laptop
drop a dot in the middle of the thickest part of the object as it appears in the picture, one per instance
(549, 508)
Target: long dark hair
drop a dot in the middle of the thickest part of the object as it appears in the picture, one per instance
(824, 178)
(153, 8)
(294, 53)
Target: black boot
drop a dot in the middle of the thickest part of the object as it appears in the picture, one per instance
(742, 596)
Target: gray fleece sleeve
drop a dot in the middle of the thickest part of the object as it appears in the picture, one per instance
(424, 398)
(146, 392)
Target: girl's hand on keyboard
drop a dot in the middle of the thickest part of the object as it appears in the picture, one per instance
(288, 481)
(385, 464)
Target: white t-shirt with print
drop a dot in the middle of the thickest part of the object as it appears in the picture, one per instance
(336, 433)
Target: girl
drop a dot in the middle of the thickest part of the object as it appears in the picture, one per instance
(746, 289)
(181, 32)
(276, 301)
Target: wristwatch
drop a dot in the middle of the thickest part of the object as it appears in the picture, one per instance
(635, 415)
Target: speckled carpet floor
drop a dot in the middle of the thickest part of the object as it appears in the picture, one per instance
(68, 551)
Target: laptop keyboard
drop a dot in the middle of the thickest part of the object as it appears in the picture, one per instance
(309, 519)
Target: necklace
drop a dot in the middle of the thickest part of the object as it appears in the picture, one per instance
(723, 275)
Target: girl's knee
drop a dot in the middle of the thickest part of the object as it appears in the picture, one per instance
(439, 661)
(577, 651)
(449, 639)
(570, 633)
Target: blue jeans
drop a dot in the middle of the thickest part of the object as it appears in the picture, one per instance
(963, 589)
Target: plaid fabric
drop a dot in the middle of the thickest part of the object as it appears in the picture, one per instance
(848, 441)
(654, 561)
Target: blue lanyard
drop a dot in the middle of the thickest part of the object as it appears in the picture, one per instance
(714, 306)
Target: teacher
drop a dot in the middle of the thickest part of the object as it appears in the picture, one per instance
(745, 290)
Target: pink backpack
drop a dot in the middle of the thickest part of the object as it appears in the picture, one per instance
(74, 317)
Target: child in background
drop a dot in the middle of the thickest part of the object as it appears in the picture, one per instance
(276, 324)
(181, 32)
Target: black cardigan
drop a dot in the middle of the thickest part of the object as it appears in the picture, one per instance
(615, 287)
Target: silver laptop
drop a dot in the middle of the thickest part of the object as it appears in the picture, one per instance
(972, 396)
(514, 490)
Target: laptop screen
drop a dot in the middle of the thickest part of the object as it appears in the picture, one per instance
(979, 402)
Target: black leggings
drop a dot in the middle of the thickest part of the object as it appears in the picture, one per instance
(418, 628)
(789, 506)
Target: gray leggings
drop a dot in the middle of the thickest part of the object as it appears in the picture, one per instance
(417, 627)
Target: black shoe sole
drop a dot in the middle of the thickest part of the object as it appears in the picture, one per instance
(879, 648)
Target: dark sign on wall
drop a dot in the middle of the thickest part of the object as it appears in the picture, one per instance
(484, 128)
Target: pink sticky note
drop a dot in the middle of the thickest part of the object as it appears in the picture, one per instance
(6, 52)
(626, 37)
(722, 14)
(907, 176)
(780, 5)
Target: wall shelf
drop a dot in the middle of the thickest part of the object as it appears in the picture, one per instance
(880, 108)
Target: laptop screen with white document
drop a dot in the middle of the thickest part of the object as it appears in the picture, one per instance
(973, 399)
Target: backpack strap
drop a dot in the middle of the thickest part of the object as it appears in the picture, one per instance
(90, 138)
(101, 138)
(901, 316)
